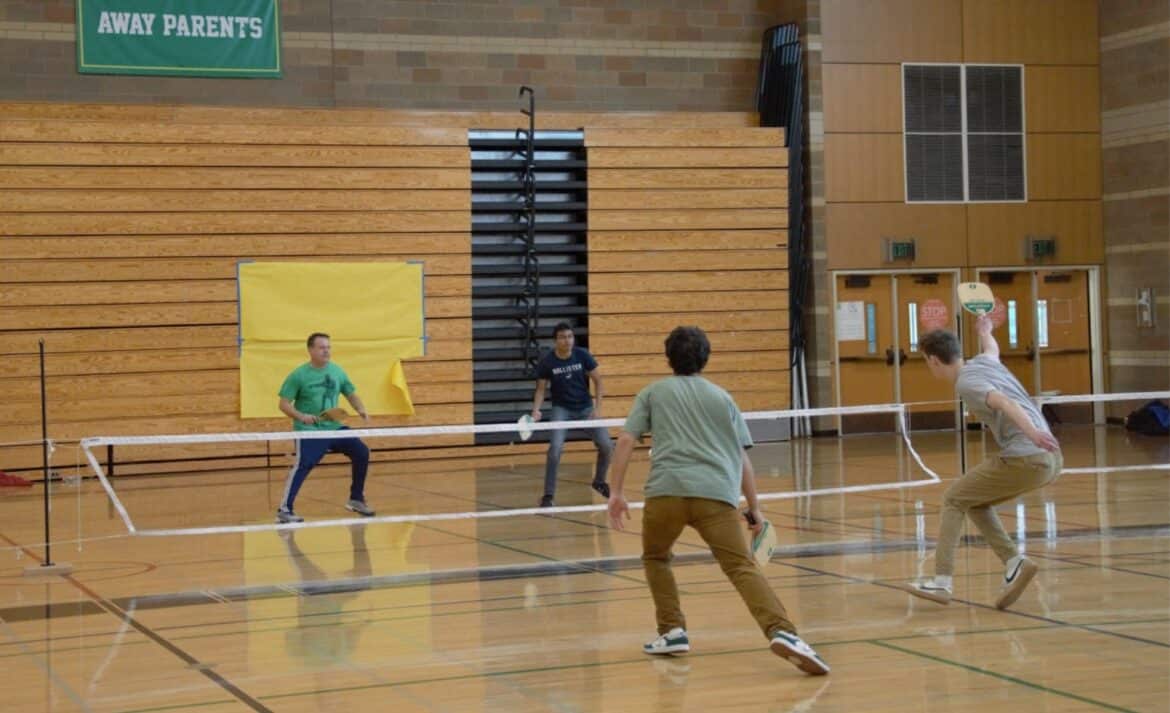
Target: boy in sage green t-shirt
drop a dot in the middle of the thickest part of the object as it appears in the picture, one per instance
(699, 468)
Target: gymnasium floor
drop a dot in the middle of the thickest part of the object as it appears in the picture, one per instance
(548, 613)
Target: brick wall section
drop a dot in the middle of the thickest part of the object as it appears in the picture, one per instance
(664, 55)
(1135, 136)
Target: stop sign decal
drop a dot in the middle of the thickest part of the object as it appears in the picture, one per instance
(933, 314)
(999, 313)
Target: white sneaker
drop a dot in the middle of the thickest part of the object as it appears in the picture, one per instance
(929, 589)
(793, 649)
(674, 641)
(1015, 580)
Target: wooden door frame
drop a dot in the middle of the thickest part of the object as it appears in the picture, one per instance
(1096, 330)
(956, 275)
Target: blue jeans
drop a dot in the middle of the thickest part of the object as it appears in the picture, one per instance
(556, 446)
(309, 454)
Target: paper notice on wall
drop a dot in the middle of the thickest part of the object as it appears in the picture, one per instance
(850, 321)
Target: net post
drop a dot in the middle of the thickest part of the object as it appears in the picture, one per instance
(48, 562)
(47, 567)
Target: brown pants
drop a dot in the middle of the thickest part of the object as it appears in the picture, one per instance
(722, 528)
(975, 495)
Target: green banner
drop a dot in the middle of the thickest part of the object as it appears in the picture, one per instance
(196, 38)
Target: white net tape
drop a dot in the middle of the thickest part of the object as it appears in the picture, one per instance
(899, 411)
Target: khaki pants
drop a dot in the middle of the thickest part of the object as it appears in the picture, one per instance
(722, 528)
(975, 495)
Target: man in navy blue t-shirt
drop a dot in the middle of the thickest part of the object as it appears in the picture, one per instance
(569, 370)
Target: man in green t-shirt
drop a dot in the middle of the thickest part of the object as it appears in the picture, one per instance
(699, 468)
(308, 392)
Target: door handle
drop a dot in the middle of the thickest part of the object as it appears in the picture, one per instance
(889, 356)
(1031, 353)
(901, 356)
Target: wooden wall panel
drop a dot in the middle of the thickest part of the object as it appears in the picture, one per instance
(119, 269)
(144, 132)
(996, 231)
(281, 116)
(892, 31)
(701, 241)
(661, 256)
(284, 200)
(663, 178)
(235, 246)
(864, 168)
(1031, 31)
(121, 246)
(855, 232)
(615, 157)
(231, 177)
(687, 138)
(267, 222)
(1064, 167)
(62, 153)
(123, 227)
(865, 43)
(862, 98)
(1062, 99)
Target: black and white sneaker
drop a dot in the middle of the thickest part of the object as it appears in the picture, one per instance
(547, 502)
(795, 651)
(674, 641)
(1015, 581)
(601, 487)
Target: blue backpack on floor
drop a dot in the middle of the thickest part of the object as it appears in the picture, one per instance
(1153, 419)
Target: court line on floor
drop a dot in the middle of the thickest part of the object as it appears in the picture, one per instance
(797, 586)
(1111, 568)
(127, 618)
(45, 666)
(537, 555)
(514, 572)
(431, 605)
(546, 567)
(988, 607)
(756, 650)
(1003, 677)
(165, 643)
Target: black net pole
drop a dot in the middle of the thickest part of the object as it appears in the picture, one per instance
(45, 453)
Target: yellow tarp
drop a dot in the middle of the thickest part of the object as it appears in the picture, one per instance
(373, 313)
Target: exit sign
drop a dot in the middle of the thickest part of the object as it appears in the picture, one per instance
(1039, 247)
(898, 250)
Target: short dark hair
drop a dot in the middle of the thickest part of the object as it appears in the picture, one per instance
(941, 344)
(313, 338)
(561, 327)
(687, 349)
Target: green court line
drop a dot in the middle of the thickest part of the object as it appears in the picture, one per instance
(637, 661)
(1003, 677)
(471, 612)
(457, 602)
(342, 619)
(883, 642)
(537, 555)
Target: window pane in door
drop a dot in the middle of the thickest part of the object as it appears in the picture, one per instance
(913, 308)
(1013, 325)
(1042, 323)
